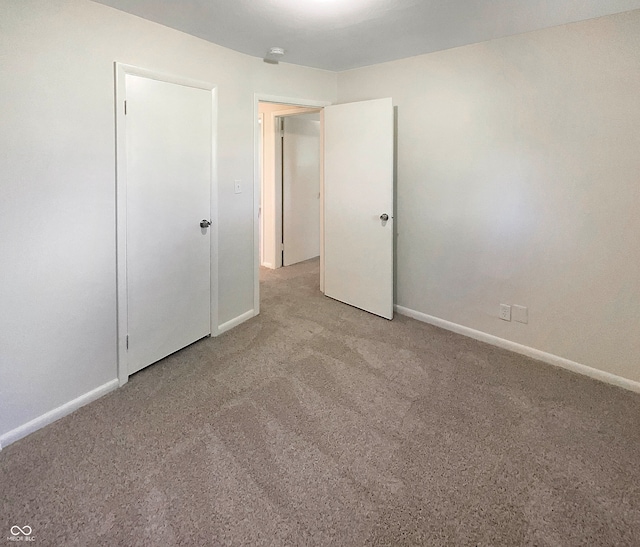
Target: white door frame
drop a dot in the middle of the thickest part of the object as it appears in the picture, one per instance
(121, 70)
(292, 101)
(259, 182)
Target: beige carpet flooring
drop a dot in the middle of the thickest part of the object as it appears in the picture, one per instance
(319, 424)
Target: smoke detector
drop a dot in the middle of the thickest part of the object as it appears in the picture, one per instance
(274, 55)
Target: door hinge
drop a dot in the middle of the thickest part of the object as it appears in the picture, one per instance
(125, 108)
(282, 247)
(282, 127)
(127, 341)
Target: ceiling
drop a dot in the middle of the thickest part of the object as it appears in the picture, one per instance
(343, 34)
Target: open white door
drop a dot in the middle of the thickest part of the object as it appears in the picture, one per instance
(300, 188)
(358, 205)
(169, 155)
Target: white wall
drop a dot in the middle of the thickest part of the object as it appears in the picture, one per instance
(518, 166)
(57, 165)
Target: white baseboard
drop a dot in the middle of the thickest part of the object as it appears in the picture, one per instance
(548, 358)
(67, 408)
(55, 414)
(267, 265)
(235, 322)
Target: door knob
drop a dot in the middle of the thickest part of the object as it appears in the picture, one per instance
(205, 224)
(384, 216)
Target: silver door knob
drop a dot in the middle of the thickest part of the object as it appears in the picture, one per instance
(205, 224)
(384, 216)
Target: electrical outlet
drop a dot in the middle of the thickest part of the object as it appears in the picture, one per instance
(238, 186)
(505, 312)
(520, 314)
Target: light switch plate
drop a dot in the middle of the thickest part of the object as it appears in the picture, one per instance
(237, 186)
(505, 312)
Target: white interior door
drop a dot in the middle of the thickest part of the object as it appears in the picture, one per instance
(169, 154)
(300, 188)
(358, 193)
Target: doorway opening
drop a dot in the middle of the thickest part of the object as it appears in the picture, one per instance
(290, 176)
(355, 198)
(290, 173)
